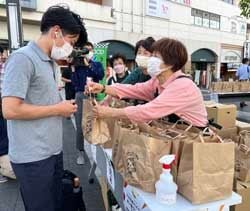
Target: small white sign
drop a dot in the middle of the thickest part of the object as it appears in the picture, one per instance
(157, 8)
(110, 172)
(133, 201)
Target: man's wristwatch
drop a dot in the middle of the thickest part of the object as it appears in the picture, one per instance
(103, 88)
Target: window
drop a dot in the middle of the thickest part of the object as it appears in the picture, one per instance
(233, 27)
(205, 19)
(229, 1)
(197, 17)
(214, 21)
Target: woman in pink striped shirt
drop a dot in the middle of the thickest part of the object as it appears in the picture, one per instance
(169, 92)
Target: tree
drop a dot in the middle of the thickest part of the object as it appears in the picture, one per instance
(245, 8)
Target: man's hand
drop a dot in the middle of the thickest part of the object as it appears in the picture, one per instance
(66, 108)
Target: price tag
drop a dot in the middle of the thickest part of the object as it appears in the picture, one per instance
(133, 201)
(110, 172)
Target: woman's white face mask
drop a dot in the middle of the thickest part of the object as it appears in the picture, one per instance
(59, 53)
(142, 61)
(154, 64)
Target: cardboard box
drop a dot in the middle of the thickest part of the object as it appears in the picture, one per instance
(228, 133)
(243, 189)
(224, 115)
(242, 126)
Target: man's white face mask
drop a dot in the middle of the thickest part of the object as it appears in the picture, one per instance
(59, 53)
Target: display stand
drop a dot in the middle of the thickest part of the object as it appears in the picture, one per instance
(134, 199)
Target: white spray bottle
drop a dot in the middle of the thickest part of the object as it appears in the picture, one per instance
(165, 187)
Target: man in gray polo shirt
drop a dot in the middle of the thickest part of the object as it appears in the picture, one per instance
(34, 110)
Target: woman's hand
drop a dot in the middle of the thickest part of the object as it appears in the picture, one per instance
(103, 111)
(107, 112)
(93, 87)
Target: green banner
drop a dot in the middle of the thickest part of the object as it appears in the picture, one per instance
(100, 52)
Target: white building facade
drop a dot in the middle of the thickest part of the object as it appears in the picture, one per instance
(212, 30)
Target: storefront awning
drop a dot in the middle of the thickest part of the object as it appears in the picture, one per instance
(121, 47)
(203, 55)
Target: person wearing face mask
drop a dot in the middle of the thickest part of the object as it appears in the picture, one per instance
(170, 93)
(143, 50)
(120, 73)
(79, 76)
(34, 109)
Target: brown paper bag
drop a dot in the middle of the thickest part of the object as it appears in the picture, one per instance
(136, 154)
(245, 137)
(95, 130)
(206, 170)
(242, 163)
(186, 132)
(122, 130)
(217, 86)
(236, 86)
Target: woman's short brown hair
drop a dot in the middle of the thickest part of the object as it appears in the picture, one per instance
(173, 52)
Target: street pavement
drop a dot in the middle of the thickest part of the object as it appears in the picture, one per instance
(10, 198)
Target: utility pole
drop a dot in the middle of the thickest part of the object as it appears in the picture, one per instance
(14, 18)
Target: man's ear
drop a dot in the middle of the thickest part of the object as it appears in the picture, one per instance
(55, 32)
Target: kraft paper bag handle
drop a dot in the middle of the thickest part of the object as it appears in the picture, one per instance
(189, 124)
(243, 132)
(91, 97)
(209, 132)
(243, 148)
(242, 135)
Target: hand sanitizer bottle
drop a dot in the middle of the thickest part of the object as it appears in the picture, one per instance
(165, 187)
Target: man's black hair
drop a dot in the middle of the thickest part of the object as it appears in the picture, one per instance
(1, 49)
(146, 43)
(89, 44)
(70, 22)
(245, 60)
(117, 56)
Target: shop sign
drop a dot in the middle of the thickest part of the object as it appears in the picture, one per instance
(157, 8)
(185, 2)
(133, 201)
(203, 60)
(230, 56)
(29, 4)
